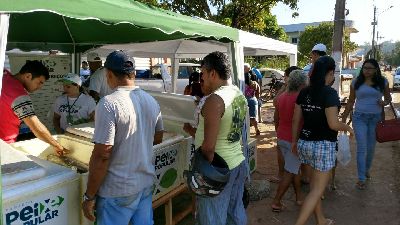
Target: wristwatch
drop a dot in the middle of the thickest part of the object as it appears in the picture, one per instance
(87, 199)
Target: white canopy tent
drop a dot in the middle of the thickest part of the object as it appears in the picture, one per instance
(249, 45)
(174, 49)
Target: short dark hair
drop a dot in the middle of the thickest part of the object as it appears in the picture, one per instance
(122, 75)
(290, 69)
(320, 69)
(36, 68)
(320, 53)
(219, 62)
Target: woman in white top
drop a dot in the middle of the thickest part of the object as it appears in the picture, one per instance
(73, 107)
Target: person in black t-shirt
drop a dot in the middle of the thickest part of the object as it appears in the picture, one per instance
(315, 143)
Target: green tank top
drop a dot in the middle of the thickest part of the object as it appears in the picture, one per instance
(228, 144)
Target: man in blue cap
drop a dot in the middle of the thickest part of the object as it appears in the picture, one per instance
(121, 169)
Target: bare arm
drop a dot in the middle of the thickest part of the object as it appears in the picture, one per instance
(212, 112)
(56, 123)
(98, 165)
(41, 132)
(349, 104)
(94, 95)
(297, 116)
(276, 114)
(386, 96)
(189, 129)
(333, 121)
(158, 136)
(91, 116)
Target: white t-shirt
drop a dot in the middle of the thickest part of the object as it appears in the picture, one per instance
(127, 119)
(98, 82)
(74, 111)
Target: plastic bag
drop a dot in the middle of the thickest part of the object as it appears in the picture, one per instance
(343, 155)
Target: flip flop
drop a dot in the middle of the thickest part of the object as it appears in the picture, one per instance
(361, 185)
(277, 209)
(329, 222)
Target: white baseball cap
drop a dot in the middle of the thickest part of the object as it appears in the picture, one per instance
(319, 47)
(93, 57)
(71, 78)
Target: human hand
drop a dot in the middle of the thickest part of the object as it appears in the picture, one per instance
(351, 131)
(187, 127)
(60, 150)
(88, 209)
(381, 102)
(294, 149)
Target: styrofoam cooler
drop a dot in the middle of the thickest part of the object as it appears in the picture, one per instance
(252, 144)
(50, 199)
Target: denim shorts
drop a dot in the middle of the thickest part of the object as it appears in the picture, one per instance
(136, 209)
(253, 107)
(320, 155)
(292, 162)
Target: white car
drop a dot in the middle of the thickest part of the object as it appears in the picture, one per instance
(268, 74)
(396, 79)
(159, 78)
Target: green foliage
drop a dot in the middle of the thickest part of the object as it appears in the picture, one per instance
(393, 58)
(243, 14)
(320, 34)
(270, 28)
(275, 62)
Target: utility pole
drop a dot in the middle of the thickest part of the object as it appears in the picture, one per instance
(374, 23)
(337, 45)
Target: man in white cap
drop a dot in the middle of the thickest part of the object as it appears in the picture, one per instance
(317, 51)
(98, 86)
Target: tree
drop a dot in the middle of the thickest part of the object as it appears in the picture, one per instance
(241, 14)
(393, 58)
(322, 33)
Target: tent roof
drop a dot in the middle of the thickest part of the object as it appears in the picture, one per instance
(44, 24)
(170, 49)
(256, 45)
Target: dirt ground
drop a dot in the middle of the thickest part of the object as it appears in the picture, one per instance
(378, 204)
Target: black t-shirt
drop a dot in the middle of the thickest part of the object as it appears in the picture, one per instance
(315, 126)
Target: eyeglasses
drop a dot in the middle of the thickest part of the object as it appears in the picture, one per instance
(369, 68)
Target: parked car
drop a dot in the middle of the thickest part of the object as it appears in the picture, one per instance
(268, 74)
(396, 79)
(158, 78)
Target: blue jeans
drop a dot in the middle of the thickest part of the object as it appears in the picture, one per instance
(227, 207)
(364, 125)
(136, 209)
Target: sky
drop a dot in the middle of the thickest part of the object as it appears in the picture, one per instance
(360, 11)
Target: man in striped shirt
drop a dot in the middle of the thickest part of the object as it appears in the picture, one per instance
(16, 105)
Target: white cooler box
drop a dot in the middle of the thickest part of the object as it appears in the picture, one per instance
(36, 191)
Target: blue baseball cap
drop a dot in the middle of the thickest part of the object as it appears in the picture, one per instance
(120, 62)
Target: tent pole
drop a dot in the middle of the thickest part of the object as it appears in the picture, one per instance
(4, 23)
(174, 74)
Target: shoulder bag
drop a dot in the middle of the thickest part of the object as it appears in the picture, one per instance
(388, 130)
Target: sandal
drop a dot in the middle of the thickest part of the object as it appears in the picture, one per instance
(329, 222)
(361, 185)
(277, 209)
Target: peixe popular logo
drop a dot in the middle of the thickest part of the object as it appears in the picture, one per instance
(36, 213)
(166, 158)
